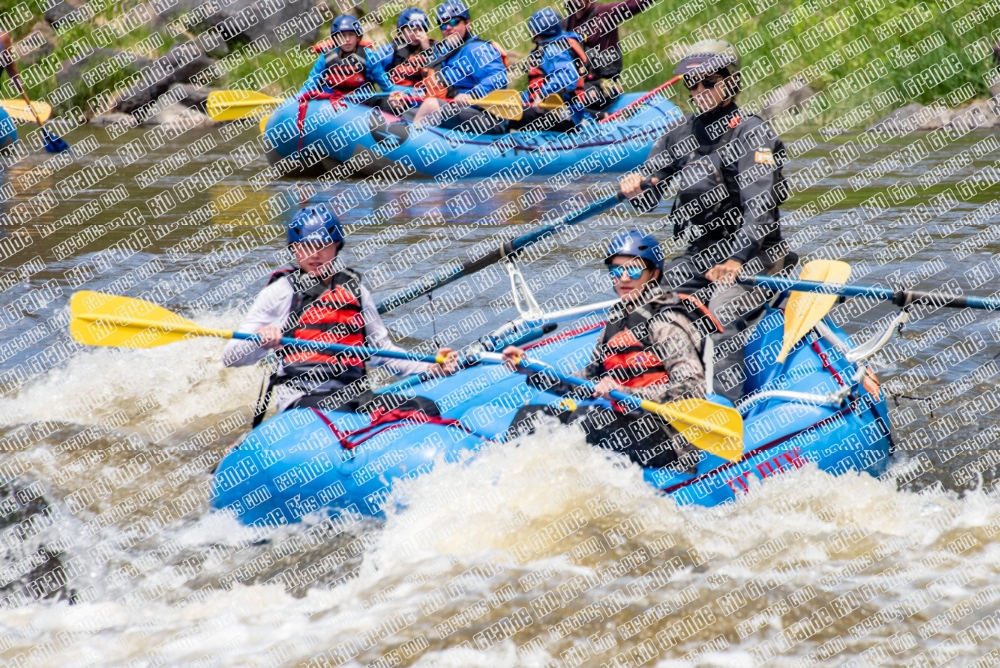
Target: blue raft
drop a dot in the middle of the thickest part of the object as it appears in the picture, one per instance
(817, 406)
(8, 130)
(349, 139)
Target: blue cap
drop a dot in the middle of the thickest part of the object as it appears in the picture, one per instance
(636, 244)
(412, 16)
(453, 9)
(346, 23)
(545, 23)
(315, 224)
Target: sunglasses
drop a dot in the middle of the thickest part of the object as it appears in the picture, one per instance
(709, 84)
(634, 272)
(451, 23)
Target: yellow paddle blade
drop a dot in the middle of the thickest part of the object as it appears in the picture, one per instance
(231, 105)
(805, 309)
(551, 102)
(109, 320)
(19, 109)
(263, 122)
(503, 103)
(710, 427)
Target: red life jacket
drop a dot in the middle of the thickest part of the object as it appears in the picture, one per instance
(344, 73)
(536, 77)
(331, 314)
(407, 66)
(629, 354)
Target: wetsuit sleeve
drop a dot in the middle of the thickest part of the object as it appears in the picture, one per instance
(376, 69)
(683, 364)
(315, 79)
(660, 164)
(270, 308)
(758, 178)
(378, 337)
(490, 74)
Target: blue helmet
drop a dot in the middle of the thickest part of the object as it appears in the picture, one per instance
(545, 23)
(315, 224)
(453, 9)
(346, 23)
(413, 17)
(636, 244)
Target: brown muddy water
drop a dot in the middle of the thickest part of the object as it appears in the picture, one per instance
(111, 556)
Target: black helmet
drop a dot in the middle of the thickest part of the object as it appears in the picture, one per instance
(707, 57)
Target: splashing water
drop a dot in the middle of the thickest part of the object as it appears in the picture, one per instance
(539, 551)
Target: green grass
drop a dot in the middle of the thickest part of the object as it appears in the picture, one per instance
(851, 43)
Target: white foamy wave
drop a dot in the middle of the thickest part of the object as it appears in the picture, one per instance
(179, 382)
(515, 521)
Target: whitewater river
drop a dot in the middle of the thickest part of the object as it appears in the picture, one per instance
(111, 556)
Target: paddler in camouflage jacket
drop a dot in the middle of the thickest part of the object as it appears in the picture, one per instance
(650, 348)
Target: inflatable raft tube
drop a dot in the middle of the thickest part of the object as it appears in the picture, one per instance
(8, 130)
(346, 139)
(295, 463)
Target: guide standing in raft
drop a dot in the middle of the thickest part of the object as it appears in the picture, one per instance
(315, 301)
(729, 167)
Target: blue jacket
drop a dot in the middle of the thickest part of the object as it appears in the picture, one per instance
(557, 64)
(475, 68)
(374, 72)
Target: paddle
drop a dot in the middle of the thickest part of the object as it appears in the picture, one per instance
(805, 309)
(897, 297)
(508, 249)
(710, 427)
(53, 144)
(99, 319)
(231, 105)
(21, 111)
(642, 100)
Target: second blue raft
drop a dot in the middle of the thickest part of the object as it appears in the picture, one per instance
(350, 139)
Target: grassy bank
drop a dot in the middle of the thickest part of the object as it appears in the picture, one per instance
(881, 52)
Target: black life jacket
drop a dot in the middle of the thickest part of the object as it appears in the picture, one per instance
(344, 72)
(331, 314)
(629, 355)
(536, 77)
(407, 65)
(708, 200)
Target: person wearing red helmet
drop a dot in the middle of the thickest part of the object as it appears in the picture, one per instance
(318, 301)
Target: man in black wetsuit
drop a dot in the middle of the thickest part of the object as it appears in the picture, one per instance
(728, 168)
